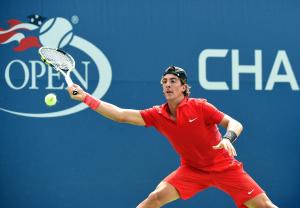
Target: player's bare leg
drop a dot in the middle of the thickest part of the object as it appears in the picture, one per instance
(163, 194)
(260, 201)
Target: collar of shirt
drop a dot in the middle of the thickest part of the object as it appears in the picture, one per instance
(165, 108)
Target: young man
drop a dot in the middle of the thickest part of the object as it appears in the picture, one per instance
(190, 125)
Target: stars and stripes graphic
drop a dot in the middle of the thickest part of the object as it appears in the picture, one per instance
(17, 30)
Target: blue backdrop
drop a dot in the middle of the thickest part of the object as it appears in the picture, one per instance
(80, 159)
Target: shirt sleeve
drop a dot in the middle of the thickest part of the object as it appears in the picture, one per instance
(149, 116)
(211, 114)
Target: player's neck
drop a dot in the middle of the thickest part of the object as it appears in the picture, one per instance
(173, 104)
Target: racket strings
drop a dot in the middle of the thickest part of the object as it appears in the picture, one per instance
(58, 59)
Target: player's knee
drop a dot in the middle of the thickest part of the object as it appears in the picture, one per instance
(153, 200)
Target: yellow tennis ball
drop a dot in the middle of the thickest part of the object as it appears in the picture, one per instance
(50, 99)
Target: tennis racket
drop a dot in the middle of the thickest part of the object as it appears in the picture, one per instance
(60, 61)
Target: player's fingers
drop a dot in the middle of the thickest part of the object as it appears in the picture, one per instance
(226, 148)
(234, 151)
(73, 87)
(75, 92)
(71, 91)
(217, 146)
(230, 151)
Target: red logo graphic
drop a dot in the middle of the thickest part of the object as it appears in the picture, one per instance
(17, 32)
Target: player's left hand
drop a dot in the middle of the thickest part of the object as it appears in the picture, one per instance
(226, 144)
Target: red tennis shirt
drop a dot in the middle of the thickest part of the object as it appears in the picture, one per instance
(193, 134)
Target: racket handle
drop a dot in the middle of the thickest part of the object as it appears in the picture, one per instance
(70, 83)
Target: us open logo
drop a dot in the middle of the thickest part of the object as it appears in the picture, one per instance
(20, 73)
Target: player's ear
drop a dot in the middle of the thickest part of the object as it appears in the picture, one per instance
(184, 87)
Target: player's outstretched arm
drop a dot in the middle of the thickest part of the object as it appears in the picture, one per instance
(107, 110)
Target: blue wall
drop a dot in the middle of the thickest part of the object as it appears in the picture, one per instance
(85, 160)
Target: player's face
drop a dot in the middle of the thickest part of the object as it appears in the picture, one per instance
(172, 87)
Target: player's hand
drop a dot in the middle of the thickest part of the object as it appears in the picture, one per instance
(226, 144)
(81, 94)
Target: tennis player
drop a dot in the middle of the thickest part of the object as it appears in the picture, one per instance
(207, 158)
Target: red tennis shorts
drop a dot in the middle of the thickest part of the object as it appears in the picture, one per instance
(234, 181)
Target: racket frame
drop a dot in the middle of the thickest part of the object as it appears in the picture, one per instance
(53, 65)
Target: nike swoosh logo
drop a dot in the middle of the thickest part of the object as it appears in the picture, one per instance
(250, 192)
(191, 120)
